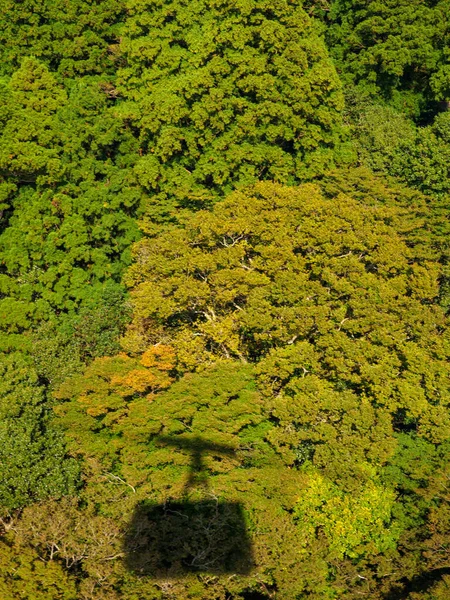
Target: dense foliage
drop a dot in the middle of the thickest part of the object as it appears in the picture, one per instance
(224, 297)
(73, 38)
(224, 94)
(397, 50)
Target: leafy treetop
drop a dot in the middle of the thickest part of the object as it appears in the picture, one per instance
(223, 94)
(325, 295)
(73, 38)
(396, 49)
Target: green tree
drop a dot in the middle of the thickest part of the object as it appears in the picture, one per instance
(333, 299)
(72, 39)
(391, 144)
(303, 329)
(70, 223)
(394, 147)
(111, 393)
(396, 50)
(223, 94)
(32, 451)
(66, 343)
(31, 142)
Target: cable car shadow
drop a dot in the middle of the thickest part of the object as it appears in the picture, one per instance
(167, 541)
(170, 540)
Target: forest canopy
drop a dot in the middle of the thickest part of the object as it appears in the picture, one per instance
(224, 300)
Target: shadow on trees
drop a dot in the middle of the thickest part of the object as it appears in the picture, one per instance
(421, 583)
(184, 536)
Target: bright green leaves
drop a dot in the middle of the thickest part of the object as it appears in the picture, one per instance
(66, 232)
(65, 344)
(299, 327)
(354, 524)
(114, 400)
(392, 145)
(225, 94)
(300, 332)
(31, 142)
(74, 39)
(346, 436)
(440, 79)
(274, 265)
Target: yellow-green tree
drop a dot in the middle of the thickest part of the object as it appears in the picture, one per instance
(307, 338)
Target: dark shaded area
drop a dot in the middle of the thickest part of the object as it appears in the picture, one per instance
(167, 541)
(255, 596)
(178, 537)
(420, 583)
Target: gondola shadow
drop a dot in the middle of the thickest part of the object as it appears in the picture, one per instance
(420, 584)
(167, 541)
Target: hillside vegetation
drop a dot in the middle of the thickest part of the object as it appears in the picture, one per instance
(224, 300)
